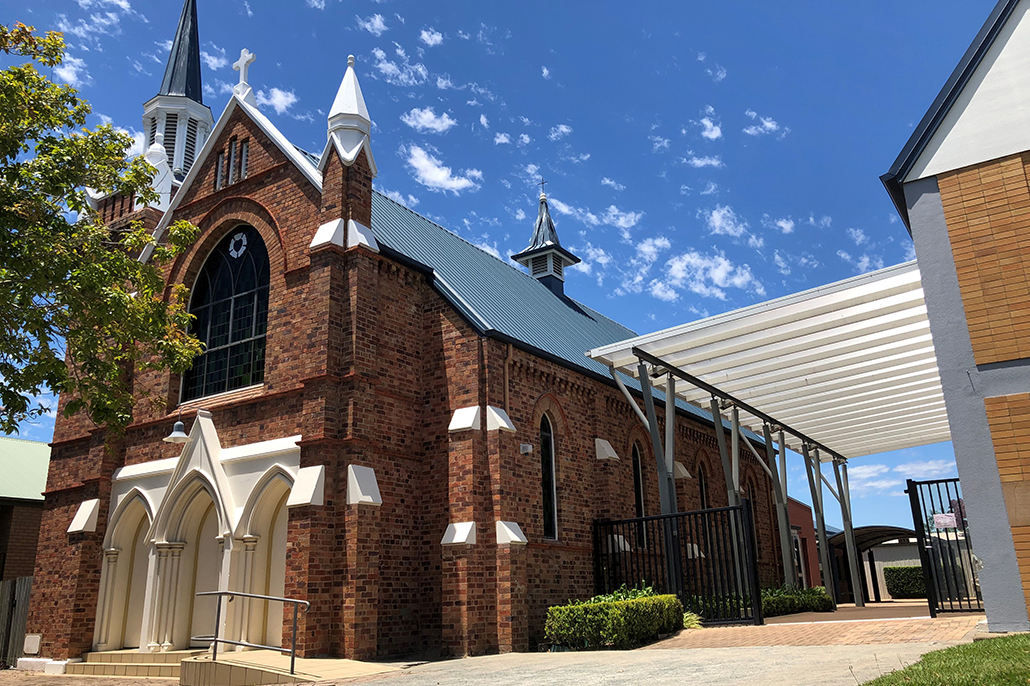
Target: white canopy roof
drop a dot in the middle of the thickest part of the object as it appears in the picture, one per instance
(850, 364)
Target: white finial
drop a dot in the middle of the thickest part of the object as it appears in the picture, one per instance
(350, 60)
(243, 65)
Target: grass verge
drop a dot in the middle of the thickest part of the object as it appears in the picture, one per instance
(1003, 661)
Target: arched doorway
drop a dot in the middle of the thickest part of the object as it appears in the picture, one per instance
(124, 577)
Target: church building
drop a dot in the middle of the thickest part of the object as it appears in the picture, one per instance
(387, 422)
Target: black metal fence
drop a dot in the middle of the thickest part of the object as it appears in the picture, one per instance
(707, 558)
(14, 612)
(945, 550)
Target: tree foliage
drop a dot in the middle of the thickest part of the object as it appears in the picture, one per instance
(78, 310)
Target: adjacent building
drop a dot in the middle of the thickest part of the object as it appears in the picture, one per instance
(24, 468)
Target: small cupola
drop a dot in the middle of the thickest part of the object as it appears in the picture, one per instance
(545, 258)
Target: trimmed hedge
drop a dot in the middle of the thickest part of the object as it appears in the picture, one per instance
(618, 624)
(905, 582)
(789, 600)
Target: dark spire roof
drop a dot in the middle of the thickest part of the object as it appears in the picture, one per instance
(545, 236)
(182, 75)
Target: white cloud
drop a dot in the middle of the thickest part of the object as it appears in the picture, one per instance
(434, 175)
(711, 188)
(764, 126)
(613, 216)
(246, 6)
(592, 256)
(701, 162)
(585, 216)
(400, 74)
(649, 249)
(710, 129)
(464, 35)
(781, 263)
(316, 4)
(106, 21)
(545, 72)
(484, 122)
(612, 184)
(431, 37)
(784, 224)
(502, 139)
(663, 291)
(399, 198)
(520, 214)
(724, 221)
(910, 250)
(279, 99)
(863, 264)
(524, 139)
(560, 131)
(718, 73)
(444, 82)
(73, 71)
(858, 236)
(706, 275)
(489, 248)
(375, 24)
(214, 60)
(926, 469)
(658, 143)
(427, 121)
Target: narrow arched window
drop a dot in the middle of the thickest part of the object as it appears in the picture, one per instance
(638, 482)
(550, 493)
(230, 303)
(702, 485)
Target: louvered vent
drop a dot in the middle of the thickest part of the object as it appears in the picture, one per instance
(171, 127)
(244, 158)
(539, 265)
(153, 131)
(191, 144)
(558, 265)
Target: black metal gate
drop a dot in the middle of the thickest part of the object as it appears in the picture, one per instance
(707, 558)
(14, 612)
(945, 551)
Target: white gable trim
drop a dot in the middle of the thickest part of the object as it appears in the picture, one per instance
(990, 118)
(348, 157)
(267, 127)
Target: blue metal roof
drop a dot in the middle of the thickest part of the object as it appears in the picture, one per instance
(497, 297)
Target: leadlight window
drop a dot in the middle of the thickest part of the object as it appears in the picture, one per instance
(244, 157)
(232, 161)
(638, 494)
(702, 486)
(220, 172)
(550, 493)
(230, 303)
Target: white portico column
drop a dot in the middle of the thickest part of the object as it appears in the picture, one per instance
(249, 546)
(160, 580)
(104, 620)
(168, 587)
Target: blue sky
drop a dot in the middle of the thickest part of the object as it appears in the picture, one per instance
(700, 158)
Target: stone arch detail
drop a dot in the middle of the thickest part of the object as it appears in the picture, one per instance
(134, 495)
(276, 472)
(167, 527)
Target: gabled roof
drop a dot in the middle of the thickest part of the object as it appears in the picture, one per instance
(932, 120)
(182, 75)
(24, 465)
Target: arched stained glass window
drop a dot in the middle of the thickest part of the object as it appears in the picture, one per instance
(702, 486)
(550, 493)
(230, 303)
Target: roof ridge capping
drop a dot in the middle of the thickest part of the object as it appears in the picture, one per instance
(942, 104)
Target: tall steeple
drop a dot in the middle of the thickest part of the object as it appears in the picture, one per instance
(350, 127)
(176, 118)
(545, 258)
(182, 75)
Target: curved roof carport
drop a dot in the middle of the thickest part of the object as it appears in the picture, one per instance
(843, 370)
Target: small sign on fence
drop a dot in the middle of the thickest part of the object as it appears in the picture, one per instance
(945, 521)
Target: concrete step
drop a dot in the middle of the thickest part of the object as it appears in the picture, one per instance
(165, 670)
(134, 656)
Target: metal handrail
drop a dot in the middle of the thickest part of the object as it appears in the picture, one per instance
(218, 622)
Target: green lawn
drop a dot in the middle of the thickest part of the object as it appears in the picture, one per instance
(1001, 661)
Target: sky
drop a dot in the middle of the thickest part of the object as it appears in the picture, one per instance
(699, 157)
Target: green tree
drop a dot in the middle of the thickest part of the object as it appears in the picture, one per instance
(78, 310)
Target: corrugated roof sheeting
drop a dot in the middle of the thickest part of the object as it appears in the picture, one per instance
(24, 466)
(850, 364)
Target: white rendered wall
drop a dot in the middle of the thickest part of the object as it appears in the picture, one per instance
(140, 556)
(991, 117)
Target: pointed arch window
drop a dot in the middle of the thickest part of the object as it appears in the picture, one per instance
(548, 480)
(638, 495)
(230, 303)
(702, 486)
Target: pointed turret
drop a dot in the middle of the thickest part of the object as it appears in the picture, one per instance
(350, 127)
(545, 258)
(176, 118)
(182, 75)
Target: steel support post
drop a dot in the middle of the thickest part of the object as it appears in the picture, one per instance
(782, 515)
(720, 438)
(815, 485)
(671, 547)
(670, 439)
(735, 450)
(849, 533)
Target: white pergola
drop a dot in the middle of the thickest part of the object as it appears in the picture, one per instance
(839, 371)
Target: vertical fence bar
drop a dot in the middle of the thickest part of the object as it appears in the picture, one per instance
(919, 523)
(293, 646)
(752, 551)
(218, 624)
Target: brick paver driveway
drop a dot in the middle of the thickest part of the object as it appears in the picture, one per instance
(944, 629)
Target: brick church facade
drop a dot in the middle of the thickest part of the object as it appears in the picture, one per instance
(389, 423)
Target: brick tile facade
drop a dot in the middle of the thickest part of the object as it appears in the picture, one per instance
(368, 362)
(19, 535)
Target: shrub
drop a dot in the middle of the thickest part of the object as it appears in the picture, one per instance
(616, 624)
(905, 582)
(621, 593)
(691, 621)
(790, 600)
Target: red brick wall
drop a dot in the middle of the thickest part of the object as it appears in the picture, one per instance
(367, 362)
(19, 533)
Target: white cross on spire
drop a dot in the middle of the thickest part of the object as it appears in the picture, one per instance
(243, 65)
